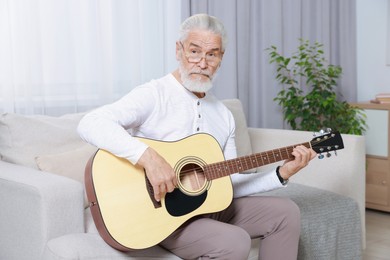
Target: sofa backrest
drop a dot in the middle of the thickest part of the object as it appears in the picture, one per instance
(52, 144)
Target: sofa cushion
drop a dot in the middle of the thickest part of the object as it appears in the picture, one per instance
(330, 223)
(22, 138)
(92, 246)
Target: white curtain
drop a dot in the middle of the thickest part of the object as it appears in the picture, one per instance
(255, 25)
(65, 56)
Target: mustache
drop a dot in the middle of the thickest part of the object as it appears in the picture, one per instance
(200, 72)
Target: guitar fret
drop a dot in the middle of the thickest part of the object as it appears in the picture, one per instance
(289, 150)
(248, 162)
(238, 166)
(251, 159)
(277, 155)
(266, 158)
(257, 162)
(251, 162)
(245, 160)
(262, 161)
(272, 156)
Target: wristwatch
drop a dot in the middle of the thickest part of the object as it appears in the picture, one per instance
(282, 181)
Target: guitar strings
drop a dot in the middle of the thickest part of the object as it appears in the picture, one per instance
(212, 168)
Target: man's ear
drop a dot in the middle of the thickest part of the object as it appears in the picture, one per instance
(220, 63)
(178, 50)
(222, 55)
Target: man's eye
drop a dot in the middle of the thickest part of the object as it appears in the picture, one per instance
(214, 54)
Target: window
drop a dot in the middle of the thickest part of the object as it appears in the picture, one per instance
(69, 56)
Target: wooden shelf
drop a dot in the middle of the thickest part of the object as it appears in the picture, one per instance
(377, 154)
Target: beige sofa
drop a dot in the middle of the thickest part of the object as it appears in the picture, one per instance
(42, 198)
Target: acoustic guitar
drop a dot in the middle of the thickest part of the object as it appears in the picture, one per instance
(121, 197)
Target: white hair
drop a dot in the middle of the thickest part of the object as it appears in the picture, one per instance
(205, 22)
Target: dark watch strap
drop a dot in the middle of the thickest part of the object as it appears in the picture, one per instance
(282, 181)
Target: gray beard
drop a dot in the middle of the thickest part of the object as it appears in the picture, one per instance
(196, 85)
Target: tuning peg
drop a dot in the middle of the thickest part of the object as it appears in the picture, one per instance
(328, 154)
(320, 156)
(335, 152)
(323, 131)
(319, 133)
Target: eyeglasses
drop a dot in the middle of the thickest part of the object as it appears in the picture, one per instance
(195, 55)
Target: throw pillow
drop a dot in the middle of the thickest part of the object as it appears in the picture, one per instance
(22, 138)
(69, 164)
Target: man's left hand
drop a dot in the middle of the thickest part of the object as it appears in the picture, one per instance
(302, 156)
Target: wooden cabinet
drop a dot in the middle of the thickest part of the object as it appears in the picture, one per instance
(378, 158)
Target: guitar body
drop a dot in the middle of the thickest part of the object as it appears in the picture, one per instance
(122, 202)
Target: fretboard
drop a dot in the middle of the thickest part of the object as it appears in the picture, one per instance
(224, 168)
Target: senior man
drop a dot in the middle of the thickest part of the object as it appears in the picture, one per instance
(176, 106)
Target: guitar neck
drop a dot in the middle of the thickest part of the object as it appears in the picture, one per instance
(228, 167)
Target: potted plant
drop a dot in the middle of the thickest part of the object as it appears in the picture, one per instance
(308, 98)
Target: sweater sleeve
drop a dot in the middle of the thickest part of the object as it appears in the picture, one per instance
(108, 127)
(251, 183)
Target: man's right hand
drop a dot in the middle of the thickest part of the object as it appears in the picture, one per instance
(159, 172)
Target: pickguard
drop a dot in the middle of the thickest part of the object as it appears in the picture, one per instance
(178, 204)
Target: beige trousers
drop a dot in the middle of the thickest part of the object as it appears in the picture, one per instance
(227, 234)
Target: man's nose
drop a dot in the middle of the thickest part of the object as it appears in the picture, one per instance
(202, 63)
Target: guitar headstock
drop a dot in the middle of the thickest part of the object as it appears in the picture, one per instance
(327, 142)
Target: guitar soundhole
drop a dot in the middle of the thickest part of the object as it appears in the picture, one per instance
(192, 179)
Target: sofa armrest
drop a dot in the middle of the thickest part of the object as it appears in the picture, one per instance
(343, 174)
(35, 207)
